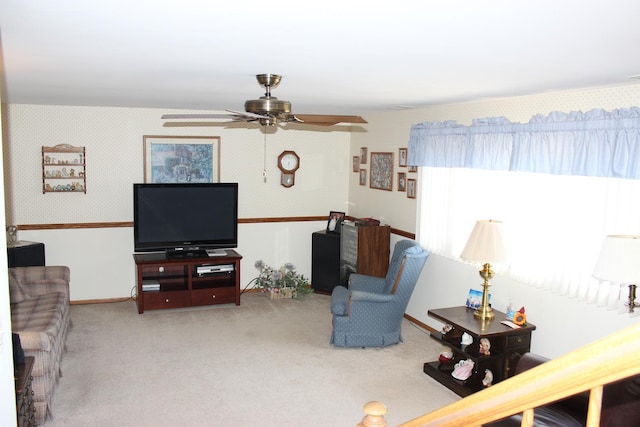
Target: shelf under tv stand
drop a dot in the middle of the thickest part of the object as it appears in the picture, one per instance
(173, 282)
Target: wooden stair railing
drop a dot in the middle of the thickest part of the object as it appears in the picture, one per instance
(607, 360)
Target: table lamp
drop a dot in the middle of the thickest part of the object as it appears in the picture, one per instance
(619, 262)
(485, 245)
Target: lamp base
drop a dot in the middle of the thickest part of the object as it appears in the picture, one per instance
(631, 302)
(484, 313)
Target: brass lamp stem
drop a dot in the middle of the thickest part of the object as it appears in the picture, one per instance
(632, 298)
(484, 311)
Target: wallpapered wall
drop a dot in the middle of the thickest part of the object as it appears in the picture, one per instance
(114, 157)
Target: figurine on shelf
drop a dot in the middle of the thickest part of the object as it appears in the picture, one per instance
(463, 369)
(488, 378)
(466, 339)
(485, 346)
(446, 355)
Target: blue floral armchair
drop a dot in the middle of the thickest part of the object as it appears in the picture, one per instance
(369, 313)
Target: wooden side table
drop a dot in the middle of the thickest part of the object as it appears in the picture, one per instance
(25, 408)
(507, 345)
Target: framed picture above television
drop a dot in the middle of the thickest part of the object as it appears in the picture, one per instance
(181, 159)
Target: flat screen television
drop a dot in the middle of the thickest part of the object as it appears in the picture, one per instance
(185, 219)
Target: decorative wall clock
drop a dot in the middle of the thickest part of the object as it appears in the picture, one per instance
(288, 163)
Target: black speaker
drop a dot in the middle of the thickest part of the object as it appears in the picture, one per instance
(25, 254)
(325, 261)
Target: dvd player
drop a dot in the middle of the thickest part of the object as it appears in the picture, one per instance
(222, 268)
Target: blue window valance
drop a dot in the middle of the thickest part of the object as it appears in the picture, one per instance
(594, 143)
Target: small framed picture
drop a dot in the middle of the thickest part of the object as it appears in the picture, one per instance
(413, 169)
(363, 177)
(411, 188)
(402, 157)
(474, 299)
(356, 163)
(402, 181)
(335, 222)
(363, 155)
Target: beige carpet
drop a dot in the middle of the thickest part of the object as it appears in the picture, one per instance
(266, 363)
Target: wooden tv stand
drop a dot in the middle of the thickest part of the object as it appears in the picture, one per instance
(176, 282)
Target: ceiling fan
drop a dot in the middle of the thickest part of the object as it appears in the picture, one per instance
(269, 110)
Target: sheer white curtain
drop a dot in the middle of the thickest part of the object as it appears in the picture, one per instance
(555, 224)
(555, 220)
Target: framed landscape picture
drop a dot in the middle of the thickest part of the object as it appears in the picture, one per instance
(181, 159)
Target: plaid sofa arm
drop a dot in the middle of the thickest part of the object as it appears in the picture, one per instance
(41, 280)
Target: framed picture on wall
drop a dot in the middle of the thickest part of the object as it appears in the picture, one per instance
(363, 155)
(381, 171)
(402, 157)
(363, 177)
(402, 181)
(356, 163)
(411, 188)
(181, 159)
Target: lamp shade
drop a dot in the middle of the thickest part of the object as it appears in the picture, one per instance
(619, 260)
(486, 243)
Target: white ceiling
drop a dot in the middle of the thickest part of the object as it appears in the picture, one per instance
(340, 57)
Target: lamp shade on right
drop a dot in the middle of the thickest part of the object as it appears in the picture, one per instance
(619, 260)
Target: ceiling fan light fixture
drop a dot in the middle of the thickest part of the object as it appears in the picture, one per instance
(267, 105)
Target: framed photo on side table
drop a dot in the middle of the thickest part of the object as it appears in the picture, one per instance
(181, 159)
(335, 222)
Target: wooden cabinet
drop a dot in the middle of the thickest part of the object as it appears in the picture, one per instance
(167, 282)
(507, 346)
(25, 408)
(364, 250)
(63, 169)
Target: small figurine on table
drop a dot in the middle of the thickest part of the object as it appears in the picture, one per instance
(520, 317)
(485, 346)
(488, 378)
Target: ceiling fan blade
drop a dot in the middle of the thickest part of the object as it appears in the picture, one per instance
(248, 115)
(327, 120)
(230, 115)
(196, 116)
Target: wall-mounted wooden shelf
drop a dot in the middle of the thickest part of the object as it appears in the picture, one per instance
(64, 169)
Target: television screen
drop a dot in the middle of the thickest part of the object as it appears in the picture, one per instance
(185, 217)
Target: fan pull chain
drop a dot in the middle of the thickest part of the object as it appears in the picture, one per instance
(264, 160)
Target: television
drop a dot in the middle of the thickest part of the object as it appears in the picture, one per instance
(185, 219)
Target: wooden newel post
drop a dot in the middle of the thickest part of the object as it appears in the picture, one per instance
(375, 415)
